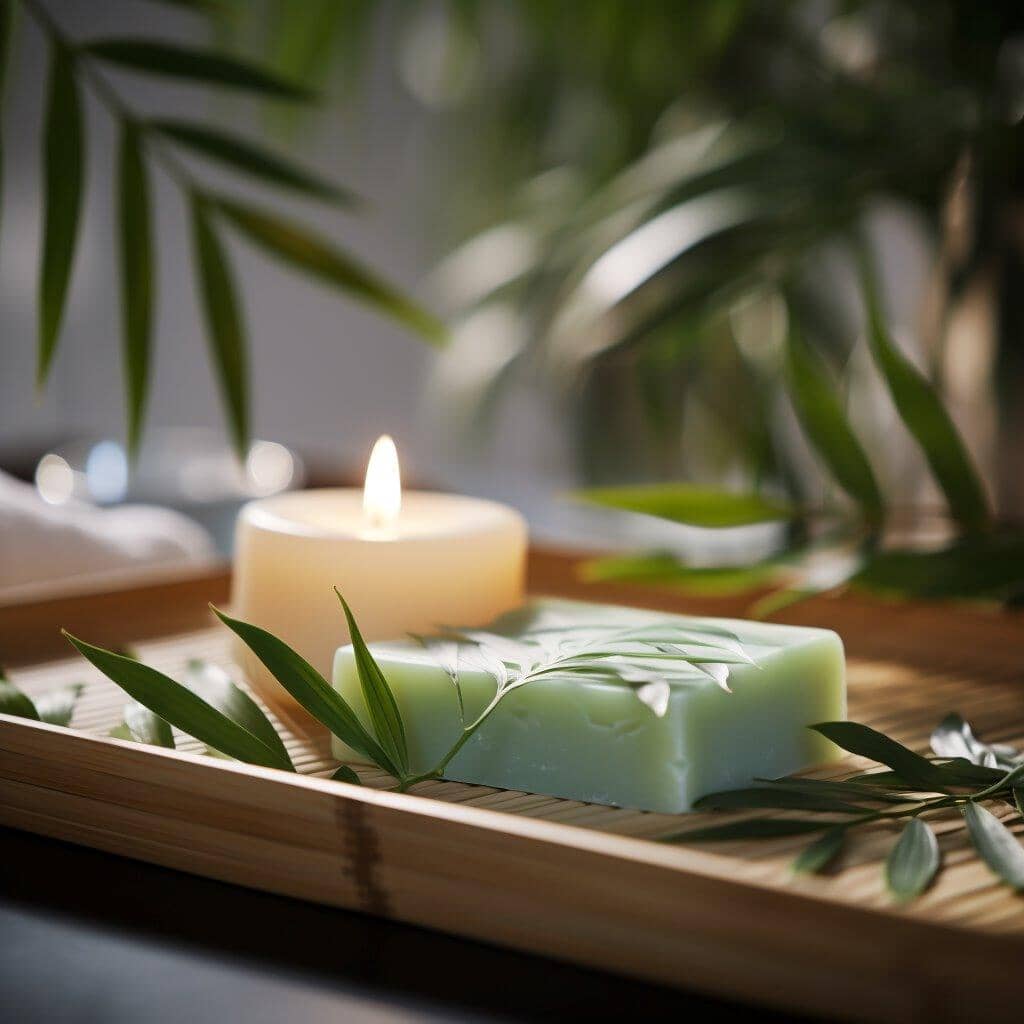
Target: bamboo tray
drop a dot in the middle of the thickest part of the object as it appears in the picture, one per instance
(579, 882)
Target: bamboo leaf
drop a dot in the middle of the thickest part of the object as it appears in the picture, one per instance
(63, 167)
(346, 774)
(253, 159)
(754, 828)
(689, 503)
(862, 739)
(821, 852)
(223, 324)
(14, 702)
(215, 686)
(57, 706)
(315, 255)
(145, 726)
(136, 277)
(206, 66)
(776, 799)
(926, 418)
(996, 845)
(913, 861)
(310, 689)
(827, 427)
(380, 701)
(180, 706)
(667, 570)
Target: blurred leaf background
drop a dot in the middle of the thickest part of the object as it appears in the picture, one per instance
(675, 222)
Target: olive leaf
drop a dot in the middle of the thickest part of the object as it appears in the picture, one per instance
(954, 738)
(821, 852)
(913, 861)
(754, 828)
(777, 798)
(996, 845)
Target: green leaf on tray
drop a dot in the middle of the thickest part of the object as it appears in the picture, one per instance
(778, 798)
(144, 726)
(14, 702)
(315, 255)
(346, 774)
(954, 738)
(996, 845)
(250, 157)
(310, 689)
(824, 421)
(196, 65)
(63, 168)
(223, 324)
(380, 701)
(926, 418)
(913, 769)
(57, 706)
(136, 277)
(181, 707)
(913, 861)
(821, 852)
(215, 686)
(690, 504)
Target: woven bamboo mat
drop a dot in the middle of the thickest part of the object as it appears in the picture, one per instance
(901, 699)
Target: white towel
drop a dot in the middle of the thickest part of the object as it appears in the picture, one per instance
(45, 543)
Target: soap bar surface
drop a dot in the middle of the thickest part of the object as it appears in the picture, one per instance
(640, 746)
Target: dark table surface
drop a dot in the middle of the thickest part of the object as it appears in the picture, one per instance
(85, 936)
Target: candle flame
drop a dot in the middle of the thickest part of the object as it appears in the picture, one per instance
(382, 492)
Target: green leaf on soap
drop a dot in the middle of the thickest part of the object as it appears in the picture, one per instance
(136, 277)
(145, 726)
(224, 327)
(310, 689)
(243, 155)
(62, 171)
(779, 798)
(179, 706)
(14, 702)
(315, 255)
(996, 845)
(690, 504)
(867, 742)
(822, 417)
(380, 701)
(215, 686)
(913, 861)
(208, 67)
(925, 417)
(346, 774)
(57, 706)
(820, 853)
(754, 828)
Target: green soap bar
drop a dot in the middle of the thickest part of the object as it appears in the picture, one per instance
(598, 741)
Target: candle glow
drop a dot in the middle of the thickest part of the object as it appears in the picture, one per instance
(382, 489)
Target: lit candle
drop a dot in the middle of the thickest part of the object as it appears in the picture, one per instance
(406, 563)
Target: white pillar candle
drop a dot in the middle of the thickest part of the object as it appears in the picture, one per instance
(406, 563)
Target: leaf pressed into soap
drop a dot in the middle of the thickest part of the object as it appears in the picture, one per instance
(380, 701)
(690, 504)
(57, 706)
(820, 853)
(996, 845)
(913, 861)
(215, 686)
(179, 706)
(310, 689)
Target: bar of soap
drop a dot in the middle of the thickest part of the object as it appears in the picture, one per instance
(634, 744)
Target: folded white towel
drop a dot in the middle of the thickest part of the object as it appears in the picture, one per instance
(41, 542)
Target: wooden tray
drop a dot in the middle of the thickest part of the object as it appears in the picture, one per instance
(580, 882)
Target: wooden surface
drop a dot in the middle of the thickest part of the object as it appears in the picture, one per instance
(571, 880)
